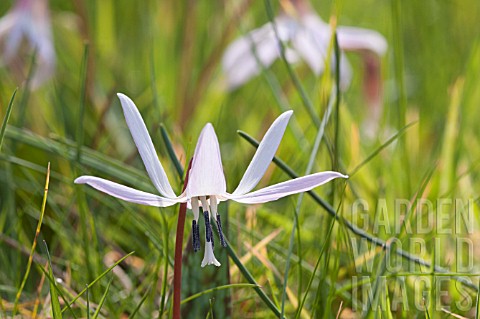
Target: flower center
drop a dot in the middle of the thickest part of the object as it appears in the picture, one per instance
(209, 206)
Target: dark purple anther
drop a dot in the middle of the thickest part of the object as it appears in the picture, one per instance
(223, 242)
(195, 236)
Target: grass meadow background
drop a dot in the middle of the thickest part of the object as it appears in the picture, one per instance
(166, 56)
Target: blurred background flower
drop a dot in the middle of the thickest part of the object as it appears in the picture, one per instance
(28, 23)
(307, 37)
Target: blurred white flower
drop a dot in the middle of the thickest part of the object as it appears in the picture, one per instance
(306, 37)
(29, 20)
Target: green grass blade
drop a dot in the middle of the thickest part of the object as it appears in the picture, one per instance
(381, 148)
(317, 264)
(171, 151)
(7, 117)
(51, 280)
(22, 107)
(87, 296)
(34, 244)
(137, 308)
(83, 94)
(90, 158)
(477, 307)
(102, 301)
(248, 276)
(212, 290)
(97, 279)
(56, 309)
(311, 161)
(165, 269)
(307, 103)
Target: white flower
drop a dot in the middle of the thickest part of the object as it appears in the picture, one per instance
(29, 19)
(206, 184)
(305, 36)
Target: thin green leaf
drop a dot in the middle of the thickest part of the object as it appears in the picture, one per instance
(381, 148)
(56, 309)
(268, 302)
(34, 244)
(81, 109)
(296, 81)
(171, 151)
(212, 290)
(7, 117)
(102, 301)
(97, 279)
(137, 308)
(311, 161)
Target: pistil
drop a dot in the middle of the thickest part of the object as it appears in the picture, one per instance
(208, 225)
(213, 207)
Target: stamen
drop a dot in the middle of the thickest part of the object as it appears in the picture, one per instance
(223, 242)
(195, 236)
(208, 228)
(195, 207)
(213, 205)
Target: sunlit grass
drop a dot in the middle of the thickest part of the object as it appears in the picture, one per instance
(306, 256)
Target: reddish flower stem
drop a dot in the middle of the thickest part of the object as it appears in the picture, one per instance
(177, 266)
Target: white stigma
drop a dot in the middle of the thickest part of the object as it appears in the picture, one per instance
(209, 257)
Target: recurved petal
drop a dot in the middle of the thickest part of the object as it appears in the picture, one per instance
(127, 193)
(264, 154)
(206, 175)
(145, 147)
(294, 186)
(357, 39)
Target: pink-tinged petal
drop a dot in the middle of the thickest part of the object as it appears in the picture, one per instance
(145, 147)
(263, 157)
(294, 186)
(240, 59)
(358, 39)
(127, 193)
(206, 175)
